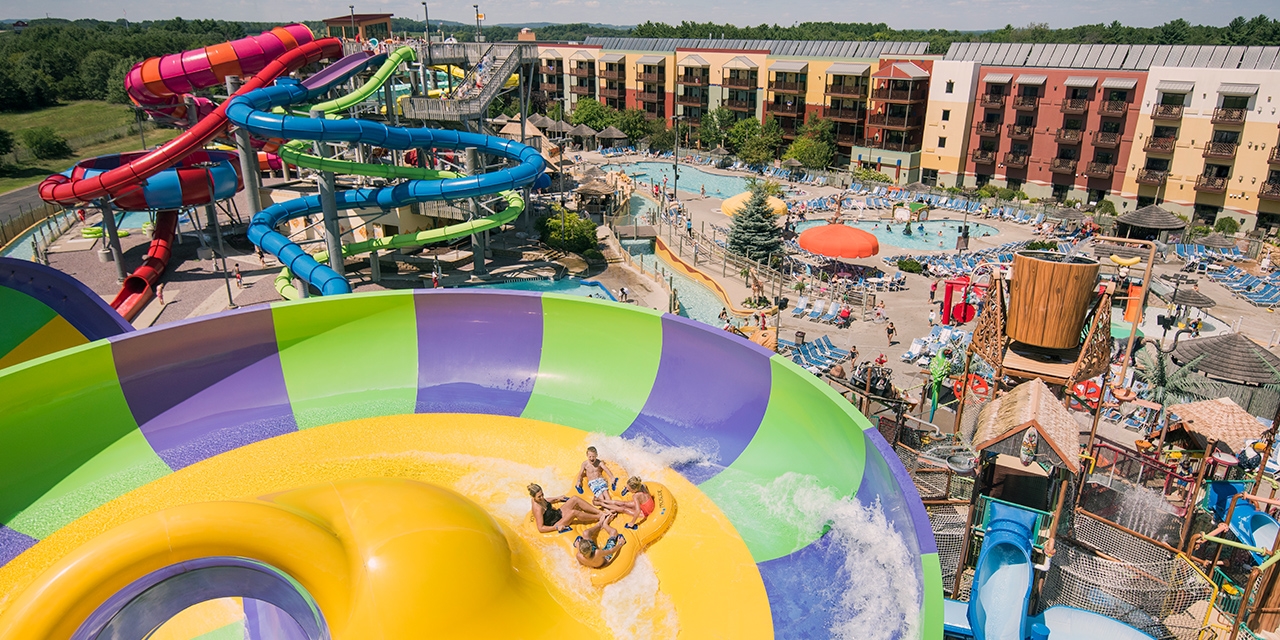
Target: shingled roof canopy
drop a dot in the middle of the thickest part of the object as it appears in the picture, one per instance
(1152, 217)
(1230, 357)
(1218, 420)
(1030, 405)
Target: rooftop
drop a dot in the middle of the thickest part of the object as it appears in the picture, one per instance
(799, 48)
(1120, 57)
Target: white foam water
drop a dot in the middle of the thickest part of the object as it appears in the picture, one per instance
(635, 607)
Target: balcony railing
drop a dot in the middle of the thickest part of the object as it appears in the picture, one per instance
(581, 72)
(551, 87)
(1063, 165)
(987, 129)
(651, 77)
(740, 105)
(1113, 108)
(618, 92)
(1225, 150)
(1229, 116)
(845, 114)
(1106, 139)
(1069, 136)
(654, 115)
(1160, 145)
(991, 100)
(550, 70)
(900, 95)
(788, 87)
(1152, 177)
(650, 96)
(784, 109)
(581, 90)
(1211, 184)
(1021, 131)
(741, 83)
(895, 122)
(1100, 170)
(1075, 106)
(1274, 158)
(1269, 191)
(1026, 103)
(849, 139)
(857, 91)
(1016, 160)
(691, 101)
(982, 156)
(1167, 112)
(693, 81)
(895, 145)
(616, 74)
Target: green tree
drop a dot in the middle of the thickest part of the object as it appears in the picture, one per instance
(755, 233)
(115, 83)
(742, 132)
(1227, 225)
(566, 230)
(555, 111)
(813, 153)
(633, 123)
(45, 143)
(95, 74)
(714, 130)
(590, 112)
(6, 142)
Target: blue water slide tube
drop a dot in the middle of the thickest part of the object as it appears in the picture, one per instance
(252, 111)
(1002, 578)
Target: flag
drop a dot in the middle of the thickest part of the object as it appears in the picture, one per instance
(479, 16)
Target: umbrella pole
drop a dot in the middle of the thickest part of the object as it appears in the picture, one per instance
(1266, 455)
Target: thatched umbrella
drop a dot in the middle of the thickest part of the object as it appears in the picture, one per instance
(719, 151)
(594, 173)
(792, 163)
(1230, 357)
(1147, 223)
(582, 131)
(611, 133)
(1192, 298)
(1217, 241)
(500, 120)
(559, 126)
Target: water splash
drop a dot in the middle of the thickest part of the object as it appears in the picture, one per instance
(635, 608)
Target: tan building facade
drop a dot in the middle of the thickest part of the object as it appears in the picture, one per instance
(946, 126)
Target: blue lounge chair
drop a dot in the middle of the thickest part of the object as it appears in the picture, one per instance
(818, 307)
(801, 304)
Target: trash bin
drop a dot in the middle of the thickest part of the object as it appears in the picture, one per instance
(799, 337)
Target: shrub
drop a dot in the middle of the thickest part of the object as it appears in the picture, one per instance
(1042, 245)
(45, 143)
(593, 255)
(863, 174)
(1106, 208)
(6, 142)
(1227, 225)
(566, 230)
(910, 266)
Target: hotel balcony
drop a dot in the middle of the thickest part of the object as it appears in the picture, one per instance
(788, 87)
(582, 90)
(650, 96)
(991, 101)
(1274, 158)
(793, 110)
(909, 146)
(1026, 103)
(1016, 160)
(1224, 150)
(855, 91)
(845, 115)
(1106, 139)
(651, 77)
(1211, 184)
(619, 92)
(1075, 106)
(987, 129)
(918, 94)
(740, 105)
(1064, 165)
(739, 83)
(549, 70)
(1229, 116)
(693, 81)
(1113, 108)
(1152, 177)
(581, 72)
(1167, 112)
(1100, 170)
(1160, 145)
(1021, 131)
(1069, 136)
(849, 140)
(1269, 191)
(981, 156)
(551, 87)
(895, 122)
(691, 101)
(616, 74)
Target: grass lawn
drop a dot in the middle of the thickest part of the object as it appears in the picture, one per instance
(71, 120)
(36, 170)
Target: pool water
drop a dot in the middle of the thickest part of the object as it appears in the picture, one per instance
(696, 301)
(569, 286)
(918, 241)
(692, 179)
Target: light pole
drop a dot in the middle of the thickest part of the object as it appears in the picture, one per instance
(479, 34)
(675, 179)
(355, 34)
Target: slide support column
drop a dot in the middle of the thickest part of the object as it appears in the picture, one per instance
(329, 207)
(477, 239)
(248, 158)
(110, 251)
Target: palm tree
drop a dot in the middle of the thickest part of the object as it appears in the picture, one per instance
(1167, 383)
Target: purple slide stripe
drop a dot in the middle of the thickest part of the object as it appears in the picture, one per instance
(265, 621)
(885, 478)
(478, 351)
(709, 394)
(13, 543)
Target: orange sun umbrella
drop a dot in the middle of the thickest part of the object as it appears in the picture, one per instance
(839, 241)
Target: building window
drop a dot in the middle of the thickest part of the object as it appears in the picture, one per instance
(951, 86)
(982, 179)
(942, 143)
(946, 115)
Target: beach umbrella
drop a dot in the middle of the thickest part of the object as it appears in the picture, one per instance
(733, 205)
(559, 126)
(1217, 241)
(582, 130)
(1230, 357)
(611, 133)
(719, 151)
(792, 163)
(1192, 298)
(839, 241)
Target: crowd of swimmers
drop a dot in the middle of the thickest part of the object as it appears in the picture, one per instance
(560, 513)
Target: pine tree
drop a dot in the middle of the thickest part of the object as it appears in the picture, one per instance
(755, 232)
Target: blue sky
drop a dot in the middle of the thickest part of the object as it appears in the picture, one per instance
(952, 14)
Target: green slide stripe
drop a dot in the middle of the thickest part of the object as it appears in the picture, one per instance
(587, 378)
(349, 359)
(70, 440)
(931, 613)
(802, 431)
(23, 316)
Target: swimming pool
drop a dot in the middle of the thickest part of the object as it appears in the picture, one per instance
(570, 286)
(891, 233)
(696, 301)
(691, 178)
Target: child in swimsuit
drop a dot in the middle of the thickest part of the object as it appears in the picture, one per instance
(639, 507)
(598, 477)
(592, 556)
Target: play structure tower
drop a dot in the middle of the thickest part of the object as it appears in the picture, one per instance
(1049, 298)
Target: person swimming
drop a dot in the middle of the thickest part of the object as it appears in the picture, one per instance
(591, 555)
(639, 507)
(548, 518)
